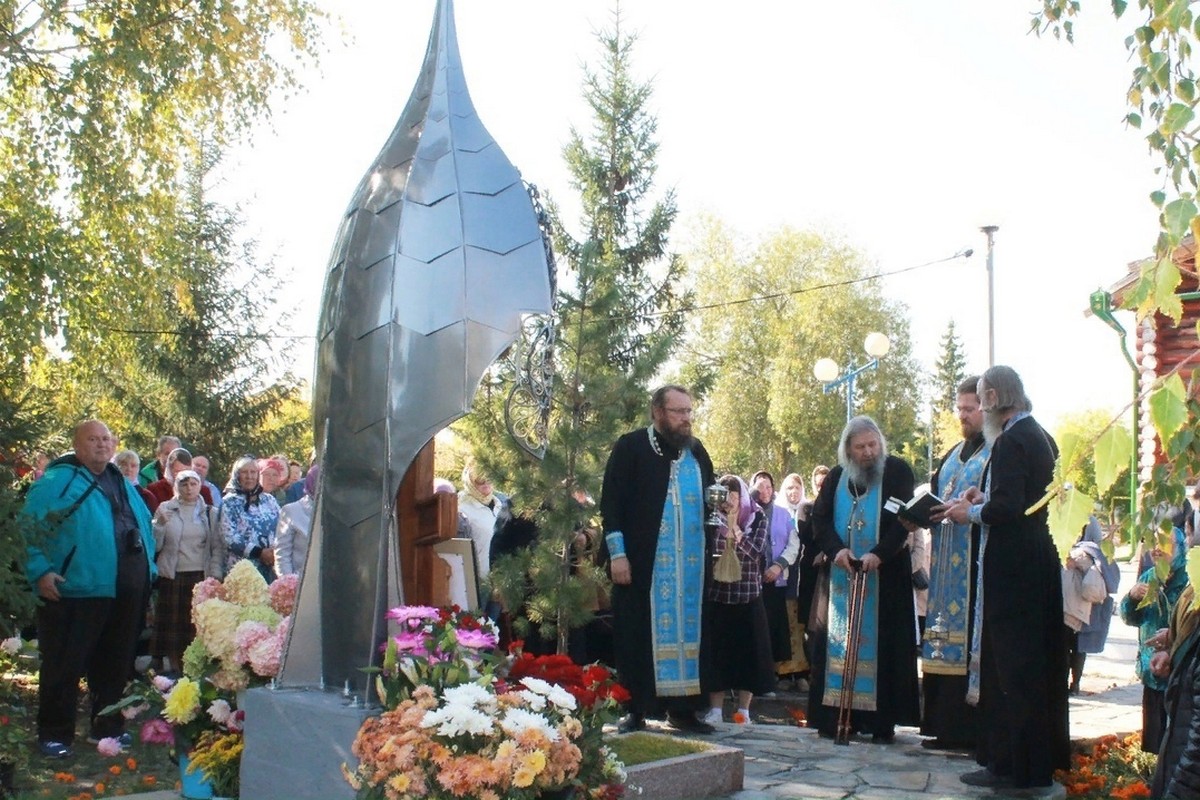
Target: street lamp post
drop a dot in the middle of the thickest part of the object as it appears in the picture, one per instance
(826, 369)
(990, 230)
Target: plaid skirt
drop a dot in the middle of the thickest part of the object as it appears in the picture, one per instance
(173, 628)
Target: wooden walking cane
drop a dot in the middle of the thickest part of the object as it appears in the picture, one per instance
(854, 610)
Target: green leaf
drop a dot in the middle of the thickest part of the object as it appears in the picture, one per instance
(1069, 512)
(1180, 442)
(1135, 121)
(1108, 548)
(1070, 455)
(1176, 15)
(1118, 7)
(1113, 452)
(1168, 407)
(1178, 117)
(1166, 281)
(1177, 216)
(1186, 89)
(1158, 198)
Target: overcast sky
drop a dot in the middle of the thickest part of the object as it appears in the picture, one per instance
(902, 127)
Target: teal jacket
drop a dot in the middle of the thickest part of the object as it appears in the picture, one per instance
(82, 547)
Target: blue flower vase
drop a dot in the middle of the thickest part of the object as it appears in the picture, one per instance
(195, 785)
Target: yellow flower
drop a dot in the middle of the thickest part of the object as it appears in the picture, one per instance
(523, 778)
(183, 702)
(536, 761)
(399, 782)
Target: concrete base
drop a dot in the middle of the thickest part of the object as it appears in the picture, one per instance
(715, 772)
(296, 743)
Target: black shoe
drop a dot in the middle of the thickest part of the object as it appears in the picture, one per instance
(688, 722)
(632, 722)
(54, 750)
(985, 777)
(883, 738)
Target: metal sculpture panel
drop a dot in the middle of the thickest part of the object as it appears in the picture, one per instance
(437, 260)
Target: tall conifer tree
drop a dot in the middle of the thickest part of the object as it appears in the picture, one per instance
(950, 370)
(616, 324)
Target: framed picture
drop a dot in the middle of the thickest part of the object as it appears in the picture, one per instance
(460, 555)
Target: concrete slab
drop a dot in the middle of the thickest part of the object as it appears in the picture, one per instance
(714, 772)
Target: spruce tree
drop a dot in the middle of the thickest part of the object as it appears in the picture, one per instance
(200, 363)
(949, 370)
(616, 323)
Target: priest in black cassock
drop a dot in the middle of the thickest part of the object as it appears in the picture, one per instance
(851, 520)
(652, 505)
(1020, 646)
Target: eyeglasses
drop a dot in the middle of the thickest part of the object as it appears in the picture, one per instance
(682, 412)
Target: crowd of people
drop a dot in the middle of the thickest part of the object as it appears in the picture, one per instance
(845, 594)
(721, 587)
(113, 546)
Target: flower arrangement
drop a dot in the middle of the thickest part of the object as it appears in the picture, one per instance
(1115, 768)
(435, 647)
(219, 756)
(464, 722)
(241, 627)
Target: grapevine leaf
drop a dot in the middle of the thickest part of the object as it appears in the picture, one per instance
(1112, 454)
(1168, 407)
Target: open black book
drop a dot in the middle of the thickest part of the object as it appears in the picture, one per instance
(918, 509)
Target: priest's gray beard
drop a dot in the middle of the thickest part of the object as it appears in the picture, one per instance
(993, 426)
(869, 475)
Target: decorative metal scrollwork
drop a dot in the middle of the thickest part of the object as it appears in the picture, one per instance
(531, 360)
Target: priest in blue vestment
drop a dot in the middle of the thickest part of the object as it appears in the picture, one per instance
(852, 523)
(652, 506)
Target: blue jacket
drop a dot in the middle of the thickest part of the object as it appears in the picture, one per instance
(81, 547)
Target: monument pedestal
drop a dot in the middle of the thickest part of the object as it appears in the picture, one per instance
(296, 743)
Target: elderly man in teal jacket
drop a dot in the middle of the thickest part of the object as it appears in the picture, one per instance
(91, 562)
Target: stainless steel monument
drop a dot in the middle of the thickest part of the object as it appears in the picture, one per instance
(436, 261)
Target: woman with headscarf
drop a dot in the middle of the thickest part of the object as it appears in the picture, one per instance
(249, 518)
(482, 506)
(795, 669)
(1150, 620)
(292, 532)
(737, 639)
(1093, 635)
(189, 548)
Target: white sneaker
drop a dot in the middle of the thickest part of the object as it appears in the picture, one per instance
(713, 717)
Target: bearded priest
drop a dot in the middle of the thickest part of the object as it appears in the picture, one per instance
(853, 526)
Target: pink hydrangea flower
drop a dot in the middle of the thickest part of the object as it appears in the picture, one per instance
(109, 747)
(157, 731)
(207, 589)
(283, 594)
(247, 636)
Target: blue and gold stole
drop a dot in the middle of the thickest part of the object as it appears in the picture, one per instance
(677, 584)
(950, 569)
(858, 517)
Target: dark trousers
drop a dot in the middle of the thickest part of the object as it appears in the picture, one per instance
(94, 637)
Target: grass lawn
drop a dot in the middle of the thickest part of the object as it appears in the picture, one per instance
(87, 775)
(641, 748)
